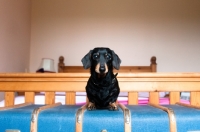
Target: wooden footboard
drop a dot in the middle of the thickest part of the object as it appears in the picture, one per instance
(76, 82)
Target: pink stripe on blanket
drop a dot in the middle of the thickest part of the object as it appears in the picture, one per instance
(144, 101)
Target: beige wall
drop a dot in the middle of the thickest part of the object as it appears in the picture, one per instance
(134, 29)
(14, 35)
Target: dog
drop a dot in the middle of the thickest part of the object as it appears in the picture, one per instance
(102, 87)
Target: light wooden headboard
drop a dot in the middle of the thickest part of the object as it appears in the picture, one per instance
(62, 68)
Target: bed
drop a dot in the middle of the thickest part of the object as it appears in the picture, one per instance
(48, 85)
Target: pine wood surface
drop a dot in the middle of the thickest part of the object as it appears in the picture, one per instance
(75, 82)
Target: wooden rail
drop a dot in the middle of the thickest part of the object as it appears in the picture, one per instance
(76, 82)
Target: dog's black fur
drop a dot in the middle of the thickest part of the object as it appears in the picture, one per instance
(102, 87)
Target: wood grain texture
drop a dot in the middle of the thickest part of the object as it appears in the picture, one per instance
(174, 97)
(29, 97)
(132, 98)
(154, 97)
(195, 98)
(152, 67)
(49, 97)
(70, 98)
(76, 82)
(9, 98)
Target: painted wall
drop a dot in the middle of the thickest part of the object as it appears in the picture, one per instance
(15, 20)
(134, 29)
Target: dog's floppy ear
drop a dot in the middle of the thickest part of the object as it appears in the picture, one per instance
(116, 60)
(86, 60)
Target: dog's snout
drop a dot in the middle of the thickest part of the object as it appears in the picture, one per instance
(102, 68)
(102, 65)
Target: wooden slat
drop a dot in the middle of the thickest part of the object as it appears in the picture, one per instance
(132, 98)
(9, 98)
(154, 97)
(174, 97)
(70, 98)
(49, 97)
(29, 97)
(195, 98)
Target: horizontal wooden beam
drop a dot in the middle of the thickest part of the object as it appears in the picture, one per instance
(150, 82)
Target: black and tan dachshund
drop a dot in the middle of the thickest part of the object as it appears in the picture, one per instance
(102, 87)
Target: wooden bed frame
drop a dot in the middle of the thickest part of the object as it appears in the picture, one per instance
(71, 83)
(75, 82)
(62, 68)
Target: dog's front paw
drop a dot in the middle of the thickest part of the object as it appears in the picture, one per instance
(91, 106)
(113, 106)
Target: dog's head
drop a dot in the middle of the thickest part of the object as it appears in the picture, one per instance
(101, 60)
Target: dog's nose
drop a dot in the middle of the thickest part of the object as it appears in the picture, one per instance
(102, 68)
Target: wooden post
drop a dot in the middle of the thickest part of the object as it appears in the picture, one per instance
(49, 97)
(132, 98)
(9, 98)
(29, 97)
(154, 97)
(153, 64)
(174, 97)
(61, 64)
(195, 98)
(70, 98)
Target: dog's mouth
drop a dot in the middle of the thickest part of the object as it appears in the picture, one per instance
(101, 69)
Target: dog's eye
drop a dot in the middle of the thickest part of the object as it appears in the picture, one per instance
(107, 56)
(95, 56)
